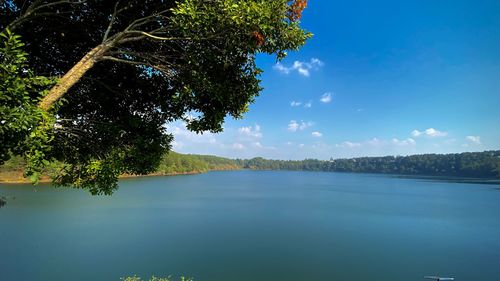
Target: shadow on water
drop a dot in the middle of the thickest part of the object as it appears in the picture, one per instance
(453, 180)
(3, 201)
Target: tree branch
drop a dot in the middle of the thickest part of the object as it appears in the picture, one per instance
(156, 37)
(138, 63)
(144, 20)
(34, 7)
(110, 22)
(31, 9)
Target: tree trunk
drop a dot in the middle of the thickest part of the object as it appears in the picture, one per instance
(72, 76)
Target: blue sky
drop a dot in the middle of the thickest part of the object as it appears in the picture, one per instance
(378, 78)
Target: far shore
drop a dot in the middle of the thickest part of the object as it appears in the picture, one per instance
(18, 178)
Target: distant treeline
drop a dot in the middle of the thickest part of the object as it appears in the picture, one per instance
(172, 163)
(468, 164)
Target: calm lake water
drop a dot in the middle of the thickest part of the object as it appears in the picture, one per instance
(254, 226)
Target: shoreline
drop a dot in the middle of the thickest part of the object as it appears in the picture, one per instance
(46, 180)
(49, 181)
(16, 177)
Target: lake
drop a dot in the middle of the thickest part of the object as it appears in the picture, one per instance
(254, 226)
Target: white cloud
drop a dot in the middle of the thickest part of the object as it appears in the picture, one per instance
(316, 61)
(294, 126)
(238, 146)
(416, 133)
(299, 103)
(378, 144)
(326, 98)
(300, 67)
(305, 125)
(431, 132)
(186, 139)
(348, 144)
(177, 144)
(303, 68)
(258, 145)
(182, 134)
(316, 134)
(281, 68)
(476, 140)
(408, 141)
(301, 145)
(239, 142)
(375, 142)
(253, 132)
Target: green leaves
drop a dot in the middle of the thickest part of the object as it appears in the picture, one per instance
(20, 119)
(165, 59)
(238, 20)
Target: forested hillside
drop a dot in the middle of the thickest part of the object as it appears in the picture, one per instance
(175, 163)
(172, 163)
(468, 164)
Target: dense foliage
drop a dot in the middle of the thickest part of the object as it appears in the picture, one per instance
(175, 163)
(22, 125)
(171, 163)
(126, 68)
(469, 164)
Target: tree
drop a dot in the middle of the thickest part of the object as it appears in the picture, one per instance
(22, 123)
(125, 68)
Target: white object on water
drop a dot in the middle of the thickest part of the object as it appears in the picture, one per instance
(437, 278)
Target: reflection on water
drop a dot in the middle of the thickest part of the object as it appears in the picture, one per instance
(451, 179)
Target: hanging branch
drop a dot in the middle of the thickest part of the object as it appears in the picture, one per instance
(33, 11)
